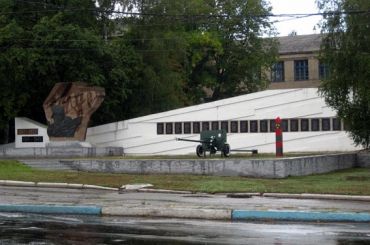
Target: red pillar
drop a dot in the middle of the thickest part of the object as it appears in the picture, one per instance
(279, 137)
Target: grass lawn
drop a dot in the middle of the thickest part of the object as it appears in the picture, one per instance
(353, 181)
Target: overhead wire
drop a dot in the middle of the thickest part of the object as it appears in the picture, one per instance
(128, 13)
(186, 17)
(193, 19)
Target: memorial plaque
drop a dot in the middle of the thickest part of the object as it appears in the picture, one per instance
(225, 126)
(337, 124)
(325, 124)
(214, 125)
(243, 126)
(178, 128)
(30, 139)
(254, 126)
(187, 128)
(160, 128)
(234, 126)
(304, 125)
(27, 131)
(196, 127)
(284, 125)
(293, 125)
(315, 124)
(272, 126)
(263, 126)
(205, 126)
(169, 128)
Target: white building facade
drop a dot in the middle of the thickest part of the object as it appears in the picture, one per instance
(309, 125)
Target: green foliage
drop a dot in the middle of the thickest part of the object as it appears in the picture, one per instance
(40, 48)
(214, 46)
(346, 49)
(245, 54)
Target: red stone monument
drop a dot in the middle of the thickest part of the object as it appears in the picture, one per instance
(68, 109)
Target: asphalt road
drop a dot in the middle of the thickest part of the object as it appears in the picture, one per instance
(50, 229)
(31, 195)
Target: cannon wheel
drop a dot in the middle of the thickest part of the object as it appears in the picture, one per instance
(226, 150)
(200, 151)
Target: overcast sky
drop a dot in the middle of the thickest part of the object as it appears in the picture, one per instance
(301, 26)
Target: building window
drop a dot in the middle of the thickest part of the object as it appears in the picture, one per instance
(160, 128)
(277, 72)
(315, 124)
(284, 125)
(325, 123)
(323, 70)
(272, 126)
(293, 125)
(205, 126)
(254, 126)
(263, 126)
(225, 126)
(234, 126)
(300, 70)
(178, 128)
(187, 128)
(196, 127)
(30, 139)
(214, 125)
(243, 126)
(304, 125)
(337, 124)
(169, 128)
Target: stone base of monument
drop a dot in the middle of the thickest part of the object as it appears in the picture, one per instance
(59, 150)
(69, 144)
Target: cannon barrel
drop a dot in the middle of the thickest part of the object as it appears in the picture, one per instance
(254, 151)
(198, 141)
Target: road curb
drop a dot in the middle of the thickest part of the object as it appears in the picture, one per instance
(17, 183)
(54, 185)
(300, 216)
(318, 196)
(186, 213)
(191, 213)
(51, 209)
(148, 190)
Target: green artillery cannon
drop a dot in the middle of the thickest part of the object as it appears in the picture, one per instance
(212, 141)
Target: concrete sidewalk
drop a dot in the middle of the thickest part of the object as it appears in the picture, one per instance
(201, 206)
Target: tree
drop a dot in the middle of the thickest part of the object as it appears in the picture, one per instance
(244, 55)
(345, 48)
(159, 37)
(45, 42)
(212, 46)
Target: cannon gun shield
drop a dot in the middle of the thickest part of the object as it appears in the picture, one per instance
(211, 141)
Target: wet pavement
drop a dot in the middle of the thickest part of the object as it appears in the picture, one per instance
(16, 228)
(34, 229)
(32, 195)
